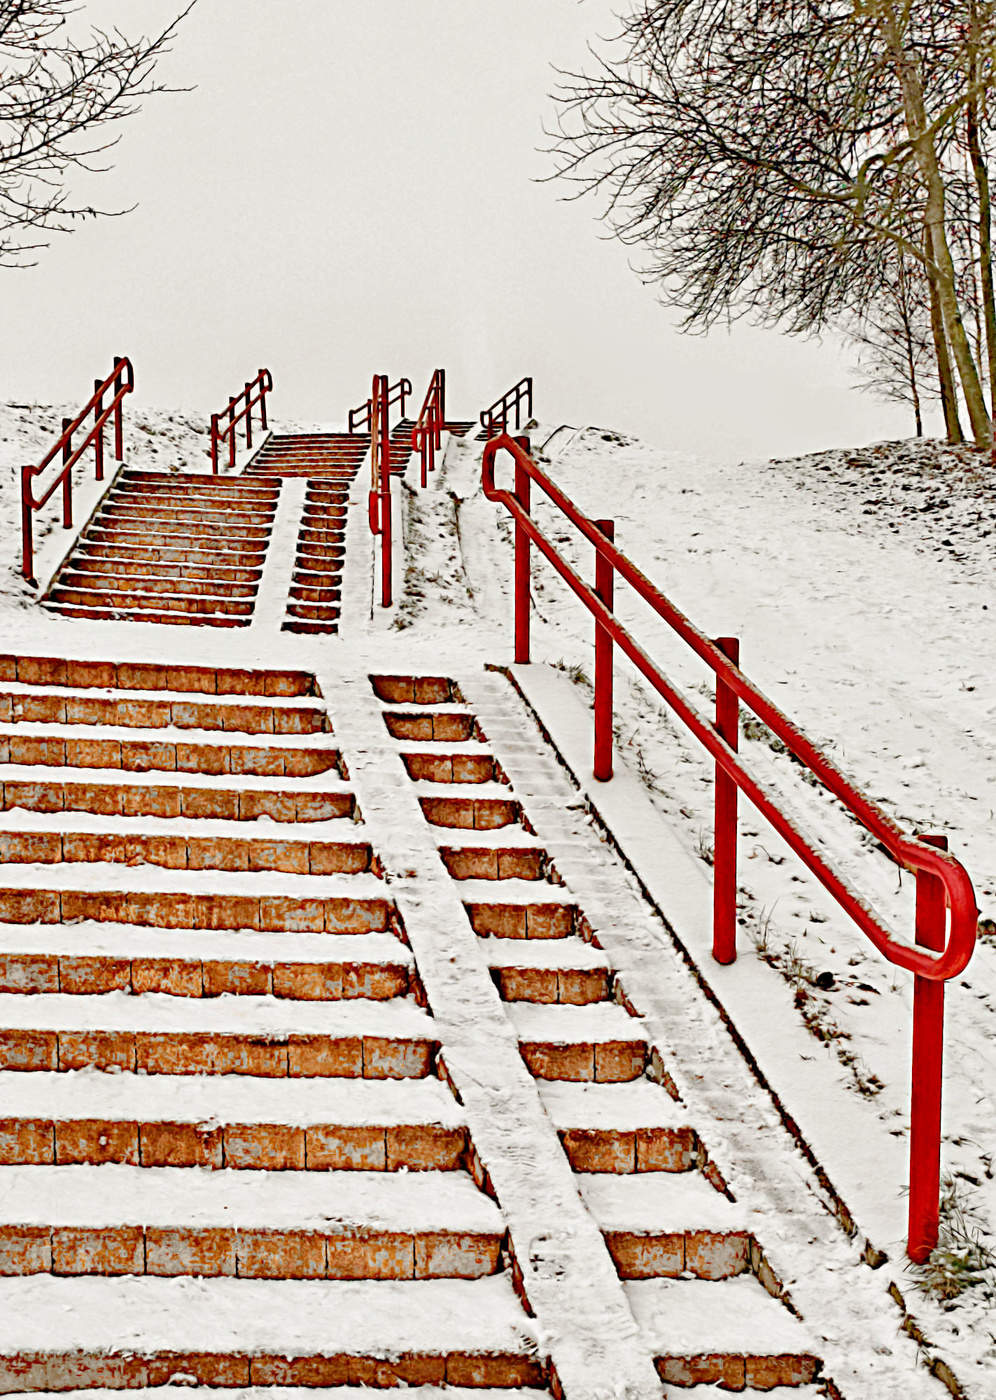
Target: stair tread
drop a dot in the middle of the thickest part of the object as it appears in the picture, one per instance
(619, 1107)
(144, 1315)
(326, 782)
(156, 880)
(230, 700)
(695, 1317)
(338, 831)
(599, 1022)
(547, 953)
(512, 891)
(270, 1017)
(169, 734)
(227, 1098)
(327, 1202)
(648, 1202)
(90, 939)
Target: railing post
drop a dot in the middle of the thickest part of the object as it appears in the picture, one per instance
(386, 590)
(262, 400)
(67, 480)
(214, 443)
(118, 411)
(442, 397)
(605, 588)
(98, 442)
(928, 1057)
(522, 486)
(27, 510)
(230, 430)
(724, 875)
(248, 396)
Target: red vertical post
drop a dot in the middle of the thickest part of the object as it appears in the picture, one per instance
(248, 395)
(118, 410)
(522, 488)
(442, 397)
(424, 445)
(231, 433)
(67, 480)
(98, 442)
(605, 588)
(928, 1057)
(724, 882)
(214, 443)
(262, 400)
(27, 541)
(386, 590)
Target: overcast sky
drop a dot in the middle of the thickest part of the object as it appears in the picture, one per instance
(353, 186)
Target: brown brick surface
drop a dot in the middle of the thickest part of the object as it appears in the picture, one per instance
(94, 1140)
(205, 1252)
(725, 1371)
(714, 1256)
(331, 1147)
(181, 1145)
(27, 1142)
(646, 1256)
(574, 1063)
(600, 1149)
(25, 1249)
(265, 1146)
(280, 1254)
(370, 1254)
(108, 1250)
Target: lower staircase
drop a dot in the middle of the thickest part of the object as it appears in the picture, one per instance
(335, 457)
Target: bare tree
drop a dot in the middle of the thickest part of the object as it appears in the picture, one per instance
(61, 89)
(776, 157)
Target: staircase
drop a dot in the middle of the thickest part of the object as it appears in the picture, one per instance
(335, 457)
(176, 548)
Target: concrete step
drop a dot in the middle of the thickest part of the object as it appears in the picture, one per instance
(164, 898)
(92, 958)
(258, 1036)
(226, 797)
(60, 1333)
(169, 1221)
(236, 1121)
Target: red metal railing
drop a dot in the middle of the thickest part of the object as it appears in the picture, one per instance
(494, 420)
(244, 402)
(122, 381)
(361, 417)
(379, 500)
(427, 432)
(946, 913)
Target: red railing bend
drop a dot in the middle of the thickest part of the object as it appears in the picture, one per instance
(946, 913)
(251, 394)
(427, 434)
(379, 500)
(120, 381)
(360, 417)
(494, 420)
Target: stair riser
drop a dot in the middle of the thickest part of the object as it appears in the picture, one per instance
(36, 973)
(615, 1062)
(470, 813)
(145, 755)
(701, 1253)
(54, 1371)
(138, 602)
(488, 863)
(203, 537)
(418, 690)
(456, 768)
(136, 800)
(553, 986)
(85, 565)
(314, 628)
(236, 1146)
(313, 612)
(621, 1151)
(289, 1057)
(77, 579)
(225, 559)
(126, 675)
(738, 1372)
(166, 518)
(275, 913)
(17, 707)
(185, 852)
(524, 920)
(221, 1252)
(449, 729)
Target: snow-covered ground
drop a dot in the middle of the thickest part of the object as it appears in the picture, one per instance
(861, 587)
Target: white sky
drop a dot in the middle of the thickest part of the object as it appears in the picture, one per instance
(352, 188)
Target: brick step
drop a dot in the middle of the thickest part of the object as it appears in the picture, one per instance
(470, 813)
(75, 578)
(60, 1333)
(362, 1392)
(309, 535)
(442, 764)
(623, 1128)
(92, 958)
(169, 1221)
(118, 511)
(201, 488)
(161, 795)
(235, 1121)
(320, 556)
(321, 513)
(313, 612)
(92, 563)
(225, 559)
(310, 593)
(163, 846)
(600, 1042)
(510, 861)
(550, 970)
(418, 690)
(172, 749)
(727, 1332)
(324, 494)
(450, 726)
(314, 628)
(677, 1227)
(152, 676)
(146, 616)
(217, 899)
(195, 481)
(136, 602)
(314, 569)
(252, 1035)
(252, 538)
(525, 909)
(161, 708)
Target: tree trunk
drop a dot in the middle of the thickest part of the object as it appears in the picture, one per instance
(981, 173)
(945, 376)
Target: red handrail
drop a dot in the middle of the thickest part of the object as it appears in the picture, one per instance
(122, 377)
(360, 417)
(264, 384)
(379, 499)
(946, 912)
(427, 432)
(494, 420)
